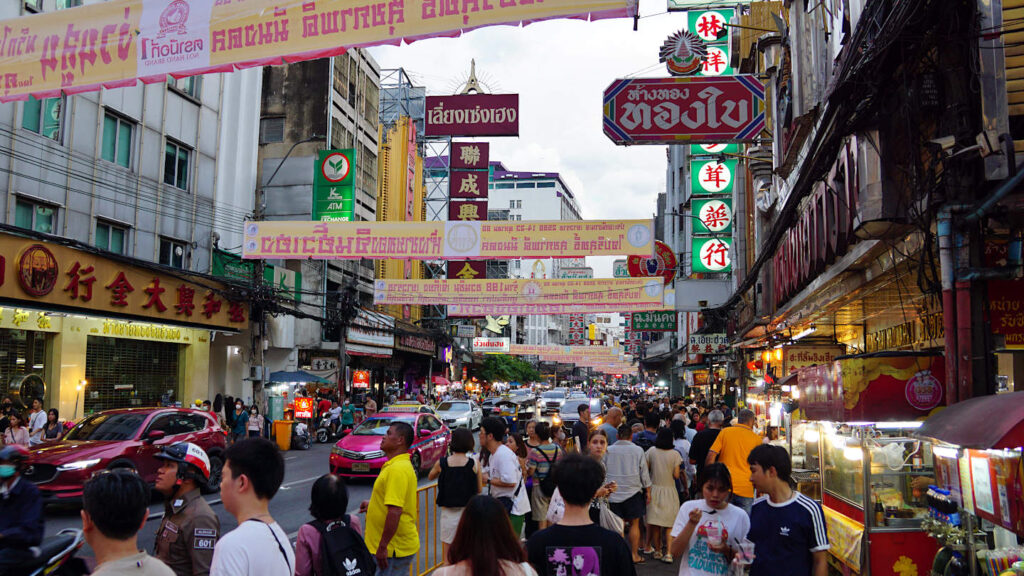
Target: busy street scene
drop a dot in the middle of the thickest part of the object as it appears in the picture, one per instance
(511, 288)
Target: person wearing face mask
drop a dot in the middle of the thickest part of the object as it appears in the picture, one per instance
(21, 510)
(241, 422)
(255, 425)
(348, 415)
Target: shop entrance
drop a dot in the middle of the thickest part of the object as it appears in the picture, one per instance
(125, 373)
(21, 352)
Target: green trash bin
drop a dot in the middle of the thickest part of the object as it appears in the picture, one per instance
(283, 433)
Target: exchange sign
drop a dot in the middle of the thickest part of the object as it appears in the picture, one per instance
(711, 255)
(713, 216)
(660, 321)
(693, 109)
(333, 191)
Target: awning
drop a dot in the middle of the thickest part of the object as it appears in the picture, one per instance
(353, 349)
(439, 380)
(297, 376)
(980, 423)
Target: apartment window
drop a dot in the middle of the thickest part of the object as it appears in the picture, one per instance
(35, 216)
(176, 159)
(118, 134)
(63, 4)
(511, 203)
(111, 237)
(190, 86)
(172, 253)
(272, 129)
(505, 185)
(43, 116)
(545, 184)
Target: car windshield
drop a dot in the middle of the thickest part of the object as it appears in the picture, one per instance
(453, 406)
(379, 426)
(107, 427)
(554, 395)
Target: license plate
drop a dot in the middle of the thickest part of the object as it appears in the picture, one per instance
(360, 467)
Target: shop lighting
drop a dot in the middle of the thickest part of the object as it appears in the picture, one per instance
(913, 425)
(37, 366)
(853, 453)
(804, 333)
(945, 452)
(19, 361)
(778, 354)
(766, 356)
(811, 435)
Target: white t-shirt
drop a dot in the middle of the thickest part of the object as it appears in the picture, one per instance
(335, 413)
(252, 550)
(683, 447)
(503, 465)
(699, 559)
(36, 423)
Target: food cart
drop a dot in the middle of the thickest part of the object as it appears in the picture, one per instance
(977, 493)
(861, 411)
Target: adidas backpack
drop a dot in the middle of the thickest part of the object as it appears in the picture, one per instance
(342, 550)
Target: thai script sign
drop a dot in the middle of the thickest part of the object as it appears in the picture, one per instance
(520, 292)
(693, 109)
(717, 343)
(333, 186)
(1006, 298)
(620, 269)
(655, 321)
(491, 345)
(472, 115)
(446, 240)
(112, 44)
(474, 310)
(361, 379)
(36, 273)
(797, 357)
(576, 273)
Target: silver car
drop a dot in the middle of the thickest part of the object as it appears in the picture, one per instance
(457, 413)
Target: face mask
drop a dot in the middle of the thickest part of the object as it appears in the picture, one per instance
(6, 470)
(238, 406)
(252, 412)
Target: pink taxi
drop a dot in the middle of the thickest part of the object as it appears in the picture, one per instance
(358, 454)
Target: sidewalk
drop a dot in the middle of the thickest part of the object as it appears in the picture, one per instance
(657, 568)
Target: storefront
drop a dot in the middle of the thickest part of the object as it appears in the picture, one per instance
(85, 332)
(416, 350)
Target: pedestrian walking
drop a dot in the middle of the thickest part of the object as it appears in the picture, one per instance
(36, 423)
(682, 445)
(624, 462)
(370, 406)
(702, 442)
(502, 472)
(6, 407)
(16, 433)
(240, 422)
(189, 529)
(786, 527)
(521, 506)
(114, 506)
(254, 426)
(21, 510)
(459, 478)
(575, 544)
(612, 420)
(646, 437)
(539, 466)
(253, 472)
(392, 513)
(664, 465)
(581, 429)
(348, 415)
(731, 447)
(483, 547)
(332, 544)
(705, 527)
(53, 430)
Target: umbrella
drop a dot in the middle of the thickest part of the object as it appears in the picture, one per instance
(439, 380)
(297, 376)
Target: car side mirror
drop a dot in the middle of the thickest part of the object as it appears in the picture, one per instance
(425, 432)
(154, 435)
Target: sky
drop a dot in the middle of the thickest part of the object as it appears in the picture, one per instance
(560, 69)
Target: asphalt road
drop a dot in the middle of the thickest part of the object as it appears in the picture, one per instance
(290, 507)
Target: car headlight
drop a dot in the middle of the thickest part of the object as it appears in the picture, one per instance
(596, 421)
(336, 451)
(556, 420)
(78, 465)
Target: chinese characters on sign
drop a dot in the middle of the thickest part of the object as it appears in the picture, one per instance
(711, 255)
(712, 216)
(470, 155)
(654, 321)
(467, 270)
(712, 177)
(717, 343)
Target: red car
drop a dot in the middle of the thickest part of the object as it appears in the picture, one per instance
(358, 454)
(125, 438)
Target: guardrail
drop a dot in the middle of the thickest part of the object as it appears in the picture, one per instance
(429, 556)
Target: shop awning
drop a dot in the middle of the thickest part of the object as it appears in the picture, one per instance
(439, 380)
(297, 376)
(980, 423)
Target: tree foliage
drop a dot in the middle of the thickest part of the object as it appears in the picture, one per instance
(504, 368)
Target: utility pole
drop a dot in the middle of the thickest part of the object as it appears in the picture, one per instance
(346, 311)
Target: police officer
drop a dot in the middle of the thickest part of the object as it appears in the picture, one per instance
(190, 529)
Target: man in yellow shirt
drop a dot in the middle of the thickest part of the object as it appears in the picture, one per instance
(391, 511)
(731, 447)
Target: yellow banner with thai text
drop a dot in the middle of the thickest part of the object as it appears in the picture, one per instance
(845, 537)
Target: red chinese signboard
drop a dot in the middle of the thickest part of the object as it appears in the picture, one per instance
(472, 115)
(664, 264)
(467, 210)
(692, 109)
(467, 270)
(470, 155)
(465, 184)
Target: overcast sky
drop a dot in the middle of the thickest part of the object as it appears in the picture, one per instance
(560, 69)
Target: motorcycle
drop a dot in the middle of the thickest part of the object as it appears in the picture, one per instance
(323, 430)
(56, 556)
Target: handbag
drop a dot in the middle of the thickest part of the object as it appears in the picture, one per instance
(509, 502)
(606, 518)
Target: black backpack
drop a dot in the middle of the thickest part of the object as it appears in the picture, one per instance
(644, 441)
(342, 550)
(547, 485)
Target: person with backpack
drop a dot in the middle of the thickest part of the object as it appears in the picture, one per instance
(332, 544)
(459, 478)
(646, 438)
(539, 465)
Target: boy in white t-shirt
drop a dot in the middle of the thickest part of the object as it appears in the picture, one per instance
(253, 471)
(701, 522)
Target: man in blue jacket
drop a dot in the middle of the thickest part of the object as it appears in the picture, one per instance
(21, 510)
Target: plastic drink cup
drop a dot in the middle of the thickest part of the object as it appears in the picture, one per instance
(746, 552)
(714, 533)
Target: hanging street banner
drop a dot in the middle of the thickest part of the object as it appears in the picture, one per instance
(334, 186)
(655, 321)
(712, 216)
(114, 44)
(520, 291)
(472, 115)
(447, 240)
(699, 5)
(711, 255)
(470, 156)
(689, 109)
(663, 263)
(543, 350)
(490, 308)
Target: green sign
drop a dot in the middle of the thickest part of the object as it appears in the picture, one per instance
(711, 26)
(227, 265)
(334, 186)
(711, 255)
(660, 321)
(697, 150)
(712, 177)
(712, 216)
(699, 5)
(620, 269)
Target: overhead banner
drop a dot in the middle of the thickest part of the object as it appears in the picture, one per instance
(472, 115)
(684, 109)
(493, 309)
(114, 44)
(447, 240)
(520, 292)
(491, 345)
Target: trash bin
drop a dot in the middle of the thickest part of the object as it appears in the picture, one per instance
(283, 433)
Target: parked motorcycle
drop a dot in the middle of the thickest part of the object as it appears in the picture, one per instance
(55, 556)
(323, 430)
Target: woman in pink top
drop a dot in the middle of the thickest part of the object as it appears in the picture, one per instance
(17, 433)
(329, 503)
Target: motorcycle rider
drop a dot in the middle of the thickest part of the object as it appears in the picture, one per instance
(189, 529)
(21, 510)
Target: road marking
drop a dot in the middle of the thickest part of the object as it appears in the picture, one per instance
(288, 485)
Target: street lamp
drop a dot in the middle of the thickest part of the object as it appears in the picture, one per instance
(78, 390)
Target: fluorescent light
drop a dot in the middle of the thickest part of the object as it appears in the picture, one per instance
(811, 435)
(944, 452)
(853, 453)
(804, 333)
(914, 424)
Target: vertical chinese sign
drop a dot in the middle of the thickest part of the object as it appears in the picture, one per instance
(468, 193)
(333, 186)
(712, 179)
(576, 330)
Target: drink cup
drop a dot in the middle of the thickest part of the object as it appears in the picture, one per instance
(714, 533)
(746, 552)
